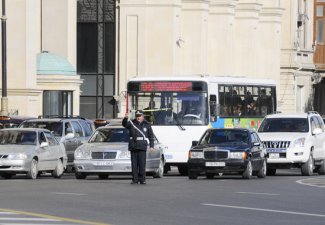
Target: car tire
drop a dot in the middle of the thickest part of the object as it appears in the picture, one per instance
(209, 175)
(160, 171)
(103, 176)
(307, 169)
(80, 176)
(59, 169)
(192, 175)
(262, 172)
(247, 174)
(321, 170)
(7, 175)
(270, 172)
(33, 170)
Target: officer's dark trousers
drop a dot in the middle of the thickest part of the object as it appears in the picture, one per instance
(138, 163)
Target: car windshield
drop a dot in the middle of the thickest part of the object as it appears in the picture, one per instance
(56, 127)
(17, 137)
(284, 125)
(225, 137)
(110, 135)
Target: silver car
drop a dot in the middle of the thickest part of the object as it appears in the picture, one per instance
(30, 151)
(107, 153)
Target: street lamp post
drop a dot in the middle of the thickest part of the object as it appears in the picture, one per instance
(4, 99)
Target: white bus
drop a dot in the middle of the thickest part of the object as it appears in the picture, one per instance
(181, 108)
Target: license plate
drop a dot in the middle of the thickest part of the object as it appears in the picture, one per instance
(215, 164)
(103, 163)
(274, 155)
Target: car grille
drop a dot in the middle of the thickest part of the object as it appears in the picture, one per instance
(3, 156)
(276, 144)
(103, 155)
(215, 154)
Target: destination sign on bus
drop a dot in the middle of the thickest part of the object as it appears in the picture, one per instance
(178, 86)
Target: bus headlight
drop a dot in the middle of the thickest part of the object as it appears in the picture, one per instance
(196, 155)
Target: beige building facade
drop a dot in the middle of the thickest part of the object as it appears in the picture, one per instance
(41, 58)
(251, 38)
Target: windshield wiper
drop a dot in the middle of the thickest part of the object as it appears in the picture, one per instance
(179, 125)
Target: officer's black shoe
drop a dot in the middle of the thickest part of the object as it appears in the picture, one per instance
(142, 182)
(134, 182)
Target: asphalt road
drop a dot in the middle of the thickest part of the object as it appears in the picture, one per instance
(287, 198)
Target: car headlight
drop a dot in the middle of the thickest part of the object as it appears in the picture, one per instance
(196, 155)
(82, 153)
(237, 155)
(125, 155)
(17, 156)
(300, 142)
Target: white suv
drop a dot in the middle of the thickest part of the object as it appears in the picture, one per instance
(294, 140)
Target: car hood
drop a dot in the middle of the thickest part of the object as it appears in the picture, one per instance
(7, 149)
(281, 136)
(107, 146)
(223, 147)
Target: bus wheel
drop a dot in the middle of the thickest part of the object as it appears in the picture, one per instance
(183, 170)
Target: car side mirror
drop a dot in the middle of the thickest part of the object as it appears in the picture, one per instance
(195, 143)
(317, 131)
(69, 136)
(44, 144)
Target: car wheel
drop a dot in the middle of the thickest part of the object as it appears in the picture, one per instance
(160, 171)
(59, 169)
(262, 172)
(103, 176)
(270, 172)
(248, 171)
(321, 170)
(80, 176)
(7, 175)
(192, 175)
(209, 175)
(307, 168)
(33, 170)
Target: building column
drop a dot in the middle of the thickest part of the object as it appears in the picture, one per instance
(221, 37)
(269, 40)
(246, 32)
(193, 39)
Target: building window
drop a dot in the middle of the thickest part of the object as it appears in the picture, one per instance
(320, 31)
(57, 103)
(96, 56)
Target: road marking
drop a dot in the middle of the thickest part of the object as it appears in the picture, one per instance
(313, 182)
(63, 193)
(54, 218)
(7, 213)
(254, 193)
(27, 219)
(264, 210)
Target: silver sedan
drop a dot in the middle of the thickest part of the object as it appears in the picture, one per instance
(107, 153)
(30, 151)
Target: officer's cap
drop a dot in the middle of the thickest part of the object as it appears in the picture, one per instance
(139, 113)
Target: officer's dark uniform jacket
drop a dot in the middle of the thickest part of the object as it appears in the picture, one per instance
(137, 141)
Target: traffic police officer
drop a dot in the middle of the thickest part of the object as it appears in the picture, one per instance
(141, 135)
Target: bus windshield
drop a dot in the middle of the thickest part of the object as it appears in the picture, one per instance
(172, 108)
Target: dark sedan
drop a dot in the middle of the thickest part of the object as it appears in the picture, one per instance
(227, 151)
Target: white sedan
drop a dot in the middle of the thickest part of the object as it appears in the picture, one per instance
(30, 151)
(107, 153)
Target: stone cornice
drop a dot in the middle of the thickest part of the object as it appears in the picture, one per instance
(24, 92)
